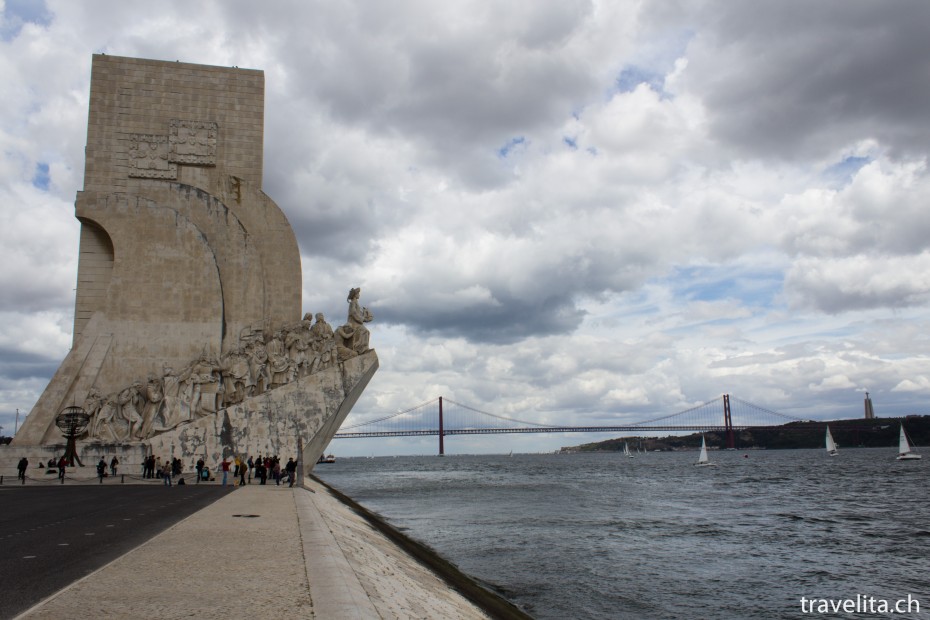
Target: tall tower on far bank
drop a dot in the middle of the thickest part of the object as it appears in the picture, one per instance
(869, 412)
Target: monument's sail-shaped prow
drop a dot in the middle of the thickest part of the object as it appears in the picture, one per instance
(187, 272)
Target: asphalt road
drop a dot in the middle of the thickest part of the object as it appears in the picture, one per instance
(52, 535)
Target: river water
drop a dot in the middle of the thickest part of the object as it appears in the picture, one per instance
(606, 536)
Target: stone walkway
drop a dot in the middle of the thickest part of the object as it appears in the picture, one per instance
(303, 554)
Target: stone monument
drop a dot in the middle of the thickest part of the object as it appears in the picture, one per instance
(188, 340)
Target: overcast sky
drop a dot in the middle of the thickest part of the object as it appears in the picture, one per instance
(574, 212)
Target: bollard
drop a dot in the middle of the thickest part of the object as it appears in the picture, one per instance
(122, 478)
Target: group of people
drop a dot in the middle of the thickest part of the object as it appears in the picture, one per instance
(263, 468)
(151, 467)
(257, 363)
(102, 467)
(60, 465)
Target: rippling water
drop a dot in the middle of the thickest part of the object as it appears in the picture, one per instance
(605, 536)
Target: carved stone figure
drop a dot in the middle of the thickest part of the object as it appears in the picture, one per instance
(235, 371)
(297, 343)
(154, 397)
(279, 366)
(131, 403)
(259, 379)
(92, 404)
(106, 427)
(345, 341)
(322, 344)
(177, 408)
(358, 316)
(321, 330)
(204, 386)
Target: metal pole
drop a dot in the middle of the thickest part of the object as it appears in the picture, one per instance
(16, 428)
(442, 451)
(300, 461)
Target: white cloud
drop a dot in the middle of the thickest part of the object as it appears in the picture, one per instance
(690, 203)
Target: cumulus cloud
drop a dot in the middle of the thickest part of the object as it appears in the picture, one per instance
(556, 211)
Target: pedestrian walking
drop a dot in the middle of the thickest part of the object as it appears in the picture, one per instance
(251, 466)
(114, 462)
(199, 470)
(101, 469)
(62, 463)
(166, 473)
(291, 469)
(242, 472)
(21, 468)
(225, 466)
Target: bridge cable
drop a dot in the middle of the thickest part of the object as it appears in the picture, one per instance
(499, 417)
(388, 417)
(666, 417)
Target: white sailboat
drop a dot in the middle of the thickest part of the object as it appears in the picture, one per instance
(831, 445)
(904, 448)
(702, 460)
(626, 450)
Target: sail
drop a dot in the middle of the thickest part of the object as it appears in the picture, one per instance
(703, 457)
(831, 445)
(903, 447)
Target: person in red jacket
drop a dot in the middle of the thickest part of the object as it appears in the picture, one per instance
(225, 466)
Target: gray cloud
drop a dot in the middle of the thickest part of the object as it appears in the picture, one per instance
(796, 78)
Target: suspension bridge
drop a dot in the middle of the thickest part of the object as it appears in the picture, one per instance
(444, 417)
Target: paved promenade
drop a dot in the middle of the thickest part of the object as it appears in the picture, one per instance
(265, 551)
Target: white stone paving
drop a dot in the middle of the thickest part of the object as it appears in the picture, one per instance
(215, 565)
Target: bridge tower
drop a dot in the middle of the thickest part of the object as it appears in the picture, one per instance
(728, 423)
(442, 451)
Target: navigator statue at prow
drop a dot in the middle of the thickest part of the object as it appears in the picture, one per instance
(188, 336)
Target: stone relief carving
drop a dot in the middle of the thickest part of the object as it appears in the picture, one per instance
(148, 157)
(211, 383)
(192, 142)
(155, 156)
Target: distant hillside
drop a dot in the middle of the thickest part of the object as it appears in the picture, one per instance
(857, 432)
